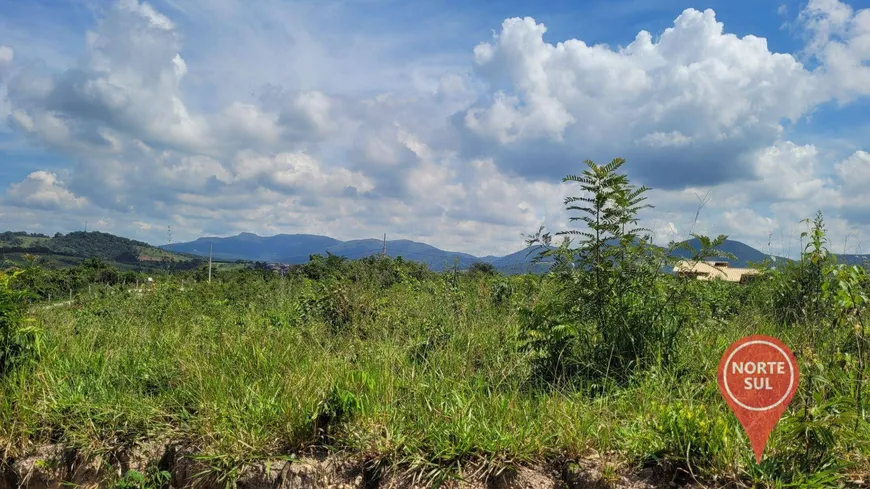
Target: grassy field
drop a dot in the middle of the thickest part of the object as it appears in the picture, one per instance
(607, 361)
(421, 373)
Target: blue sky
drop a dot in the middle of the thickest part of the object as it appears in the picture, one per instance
(445, 122)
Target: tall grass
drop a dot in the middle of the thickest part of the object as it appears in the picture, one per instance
(427, 372)
(437, 372)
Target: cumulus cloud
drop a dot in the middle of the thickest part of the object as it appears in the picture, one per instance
(787, 171)
(749, 223)
(42, 190)
(467, 159)
(291, 172)
(128, 79)
(854, 171)
(840, 40)
(687, 108)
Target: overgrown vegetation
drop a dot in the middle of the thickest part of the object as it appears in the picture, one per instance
(608, 354)
(19, 342)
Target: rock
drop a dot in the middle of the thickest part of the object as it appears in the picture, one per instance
(588, 476)
(186, 471)
(520, 478)
(86, 473)
(42, 468)
(527, 478)
(149, 453)
(332, 472)
(262, 475)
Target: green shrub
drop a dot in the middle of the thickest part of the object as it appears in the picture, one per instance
(19, 342)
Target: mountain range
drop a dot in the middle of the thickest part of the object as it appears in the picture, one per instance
(296, 248)
(70, 249)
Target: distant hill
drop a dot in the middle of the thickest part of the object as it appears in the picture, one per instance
(296, 248)
(854, 259)
(745, 254)
(522, 261)
(69, 249)
(284, 248)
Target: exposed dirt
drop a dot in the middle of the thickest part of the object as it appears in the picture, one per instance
(52, 466)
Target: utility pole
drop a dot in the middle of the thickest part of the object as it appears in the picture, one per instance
(209, 261)
(384, 253)
(168, 259)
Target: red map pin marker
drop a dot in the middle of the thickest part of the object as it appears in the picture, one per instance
(758, 376)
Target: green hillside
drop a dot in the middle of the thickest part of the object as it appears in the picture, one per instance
(70, 249)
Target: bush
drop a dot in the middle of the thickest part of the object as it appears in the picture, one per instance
(19, 344)
(482, 268)
(615, 310)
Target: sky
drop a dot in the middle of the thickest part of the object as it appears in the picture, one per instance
(446, 122)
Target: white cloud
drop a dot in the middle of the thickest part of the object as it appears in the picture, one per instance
(840, 39)
(709, 94)
(748, 223)
(339, 138)
(129, 79)
(6, 54)
(787, 172)
(314, 107)
(663, 140)
(296, 171)
(42, 190)
(855, 171)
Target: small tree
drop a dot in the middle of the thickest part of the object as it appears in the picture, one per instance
(606, 247)
(482, 268)
(616, 308)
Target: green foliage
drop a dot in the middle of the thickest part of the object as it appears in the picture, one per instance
(482, 268)
(95, 244)
(502, 291)
(615, 310)
(425, 371)
(43, 283)
(14, 239)
(319, 267)
(688, 431)
(847, 288)
(152, 479)
(386, 272)
(19, 342)
(69, 249)
(341, 404)
(796, 294)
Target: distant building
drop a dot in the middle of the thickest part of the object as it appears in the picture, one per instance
(711, 270)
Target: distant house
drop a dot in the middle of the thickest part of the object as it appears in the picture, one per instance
(711, 270)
